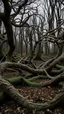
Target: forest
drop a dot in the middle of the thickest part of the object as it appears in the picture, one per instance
(31, 56)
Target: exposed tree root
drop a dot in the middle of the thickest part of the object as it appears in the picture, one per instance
(56, 72)
(54, 82)
(28, 82)
(46, 63)
(14, 94)
(23, 82)
(38, 77)
(59, 66)
(55, 62)
(5, 65)
(29, 69)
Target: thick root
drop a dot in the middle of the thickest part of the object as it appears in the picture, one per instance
(29, 82)
(60, 66)
(14, 94)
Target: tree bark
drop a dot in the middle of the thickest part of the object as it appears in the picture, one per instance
(29, 82)
(8, 27)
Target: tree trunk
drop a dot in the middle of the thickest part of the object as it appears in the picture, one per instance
(9, 31)
(38, 54)
(8, 27)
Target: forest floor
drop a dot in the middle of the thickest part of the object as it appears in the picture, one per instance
(33, 94)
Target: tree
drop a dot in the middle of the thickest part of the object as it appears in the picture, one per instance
(49, 67)
(5, 17)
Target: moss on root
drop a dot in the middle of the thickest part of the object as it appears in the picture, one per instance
(59, 66)
(24, 82)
